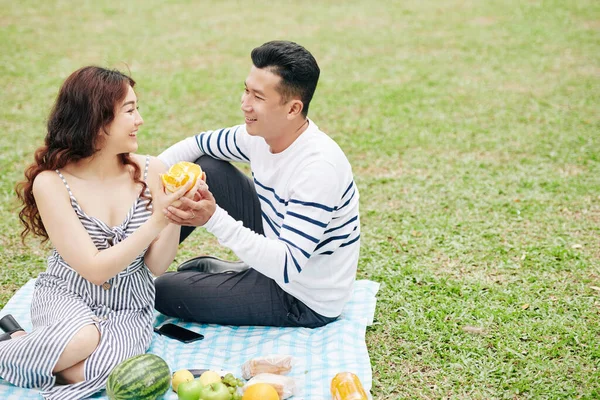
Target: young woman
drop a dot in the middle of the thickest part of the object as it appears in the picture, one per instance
(101, 206)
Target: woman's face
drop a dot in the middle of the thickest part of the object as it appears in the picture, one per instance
(122, 131)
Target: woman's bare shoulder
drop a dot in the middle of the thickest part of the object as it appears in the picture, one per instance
(48, 182)
(154, 165)
(46, 178)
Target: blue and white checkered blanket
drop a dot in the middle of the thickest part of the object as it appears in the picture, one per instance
(318, 353)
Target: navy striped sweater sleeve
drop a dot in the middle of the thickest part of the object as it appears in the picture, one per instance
(229, 144)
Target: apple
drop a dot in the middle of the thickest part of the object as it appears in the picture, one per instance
(180, 376)
(190, 390)
(215, 391)
(209, 377)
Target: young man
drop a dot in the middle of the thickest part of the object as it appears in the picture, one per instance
(294, 225)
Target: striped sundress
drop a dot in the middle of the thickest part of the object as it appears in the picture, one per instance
(63, 302)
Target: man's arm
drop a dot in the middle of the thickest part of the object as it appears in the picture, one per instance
(315, 194)
(229, 144)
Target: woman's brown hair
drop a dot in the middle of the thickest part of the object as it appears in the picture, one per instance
(84, 107)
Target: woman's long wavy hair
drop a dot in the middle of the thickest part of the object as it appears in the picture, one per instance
(84, 108)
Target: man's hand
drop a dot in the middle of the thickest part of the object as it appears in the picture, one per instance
(195, 211)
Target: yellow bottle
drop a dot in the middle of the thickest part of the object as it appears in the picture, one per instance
(347, 386)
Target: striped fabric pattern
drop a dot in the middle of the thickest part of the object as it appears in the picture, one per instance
(63, 302)
(308, 228)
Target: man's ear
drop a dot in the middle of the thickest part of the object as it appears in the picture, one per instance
(296, 107)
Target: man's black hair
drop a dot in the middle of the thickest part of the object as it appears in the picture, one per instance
(295, 65)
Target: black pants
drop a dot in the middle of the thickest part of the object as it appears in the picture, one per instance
(243, 298)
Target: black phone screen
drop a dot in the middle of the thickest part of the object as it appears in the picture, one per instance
(179, 333)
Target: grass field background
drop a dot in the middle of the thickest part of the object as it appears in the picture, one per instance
(473, 130)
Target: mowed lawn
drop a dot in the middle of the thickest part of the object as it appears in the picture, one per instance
(473, 129)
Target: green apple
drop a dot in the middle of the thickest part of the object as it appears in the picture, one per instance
(215, 391)
(190, 390)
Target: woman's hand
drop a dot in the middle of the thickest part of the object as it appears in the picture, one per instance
(161, 200)
(190, 194)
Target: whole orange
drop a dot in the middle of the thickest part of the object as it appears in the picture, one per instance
(260, 391)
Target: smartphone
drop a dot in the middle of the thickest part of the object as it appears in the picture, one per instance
(179, 333)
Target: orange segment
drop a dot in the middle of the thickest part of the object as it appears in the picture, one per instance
(179, 174)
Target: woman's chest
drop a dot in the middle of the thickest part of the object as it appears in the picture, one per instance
(110, 204)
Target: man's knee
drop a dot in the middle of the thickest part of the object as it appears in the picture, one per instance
(167, 287)
(162, 284)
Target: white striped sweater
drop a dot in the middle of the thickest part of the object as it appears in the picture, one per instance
(309, 205)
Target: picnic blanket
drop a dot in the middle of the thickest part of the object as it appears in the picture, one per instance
(318, 354)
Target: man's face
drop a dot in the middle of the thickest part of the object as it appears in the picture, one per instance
(265, 112)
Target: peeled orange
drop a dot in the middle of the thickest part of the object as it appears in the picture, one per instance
(260, 391)
(181, 173)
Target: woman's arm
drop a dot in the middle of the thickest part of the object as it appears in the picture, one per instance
(73, 242)
(163, 250)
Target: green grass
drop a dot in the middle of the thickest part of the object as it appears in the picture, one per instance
(473, 129)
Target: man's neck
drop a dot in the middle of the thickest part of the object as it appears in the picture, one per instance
(286, 140)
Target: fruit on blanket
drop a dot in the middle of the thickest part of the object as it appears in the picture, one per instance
(142, 377)
(215, 391)
(183, 375)
(233, 385)
(190, 390)
(347, 386)
(260, 391)
(209, 377)
(179, 174)
(232, 381)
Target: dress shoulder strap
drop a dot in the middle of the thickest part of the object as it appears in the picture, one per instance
(65, 182)
(146, 168)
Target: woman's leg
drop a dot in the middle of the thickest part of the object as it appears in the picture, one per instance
(8, 336)
(71, 375)
(80, 347)
(11, 327)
